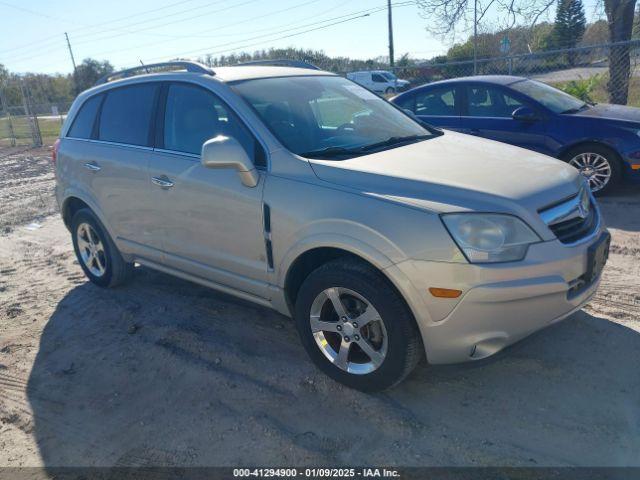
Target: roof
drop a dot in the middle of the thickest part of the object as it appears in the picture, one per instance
(247, 72)
(494, 79)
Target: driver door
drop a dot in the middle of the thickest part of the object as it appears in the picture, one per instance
(488, 113)
(212, 224)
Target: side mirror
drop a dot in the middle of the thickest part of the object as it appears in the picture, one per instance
(524, 114)
(226, 152)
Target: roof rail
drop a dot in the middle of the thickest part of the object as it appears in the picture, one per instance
(279, 63)
(189, 66)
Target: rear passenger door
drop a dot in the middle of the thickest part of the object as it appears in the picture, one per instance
(212, 223)
(113, 161)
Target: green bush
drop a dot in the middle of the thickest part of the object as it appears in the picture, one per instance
(582, 88)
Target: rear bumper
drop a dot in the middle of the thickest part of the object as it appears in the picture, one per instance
(500, 304)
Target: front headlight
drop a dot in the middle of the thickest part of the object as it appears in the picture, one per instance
(490, 237)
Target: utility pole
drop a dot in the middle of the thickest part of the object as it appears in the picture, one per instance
(73, 60)
(475, 37)
(391, 60)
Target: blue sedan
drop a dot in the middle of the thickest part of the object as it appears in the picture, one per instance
(602, 141)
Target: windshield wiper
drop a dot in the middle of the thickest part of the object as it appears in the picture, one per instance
(329, 152)
(576, 110)
(390, 142)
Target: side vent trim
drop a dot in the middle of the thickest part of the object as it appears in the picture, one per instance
(266, 215)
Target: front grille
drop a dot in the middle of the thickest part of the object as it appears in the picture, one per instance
(573, 230)
(572, 219)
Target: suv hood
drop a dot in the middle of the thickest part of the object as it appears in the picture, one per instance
(456, 172)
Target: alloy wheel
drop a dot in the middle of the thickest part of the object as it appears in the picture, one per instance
(348, 330)
(594, 167)
(91, 249)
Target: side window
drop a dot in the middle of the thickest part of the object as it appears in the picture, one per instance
(436, 102)
(193, 115)
(487, 101)
(126, 114)
(407, 102)
(376, 77)
(82, 126)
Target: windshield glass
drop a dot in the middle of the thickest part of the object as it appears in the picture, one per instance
(388, 75)
(328, 117)
(552, 98)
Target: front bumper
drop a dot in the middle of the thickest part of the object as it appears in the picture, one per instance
(500, 304)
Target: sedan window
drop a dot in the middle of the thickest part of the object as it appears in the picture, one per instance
(437, 102)
(488, 101)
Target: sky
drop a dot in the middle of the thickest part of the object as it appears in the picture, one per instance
(127, 31)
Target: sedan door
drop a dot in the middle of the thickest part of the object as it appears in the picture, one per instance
(213, 226)
(437, 105)
(488, 112)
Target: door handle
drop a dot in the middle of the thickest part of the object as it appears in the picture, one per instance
(163, 182)
(93, 167)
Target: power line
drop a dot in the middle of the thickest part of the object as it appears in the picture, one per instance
(142, 30)
(279, 28)
(341, 19)
(380, 9)
(20, 47)
(46, 52)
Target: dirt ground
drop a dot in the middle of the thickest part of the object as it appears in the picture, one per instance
(164, 372)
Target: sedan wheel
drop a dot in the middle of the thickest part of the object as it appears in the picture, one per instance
(595, 168)
(348, 330)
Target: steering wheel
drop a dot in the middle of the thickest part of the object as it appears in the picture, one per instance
(345, 126)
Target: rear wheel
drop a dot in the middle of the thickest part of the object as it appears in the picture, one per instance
(598, 164)
(356, 327)
(97, 254)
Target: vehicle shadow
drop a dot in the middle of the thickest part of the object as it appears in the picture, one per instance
(621, 209)
(166, 373)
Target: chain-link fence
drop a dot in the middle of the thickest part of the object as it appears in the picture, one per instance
(608, 73)
(25, 118)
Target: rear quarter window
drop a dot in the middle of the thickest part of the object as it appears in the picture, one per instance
(126, 114)
(85, 120)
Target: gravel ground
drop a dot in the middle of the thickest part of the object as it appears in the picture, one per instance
(165, 372)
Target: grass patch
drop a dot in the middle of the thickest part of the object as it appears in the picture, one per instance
(49, 130)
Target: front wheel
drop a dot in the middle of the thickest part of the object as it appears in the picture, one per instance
(390, 90)
(598, 164)
(356, 327)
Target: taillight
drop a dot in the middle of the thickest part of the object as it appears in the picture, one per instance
(54, 152)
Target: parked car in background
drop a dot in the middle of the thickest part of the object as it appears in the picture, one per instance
(600, 140)
(301, 191)
(379, 81)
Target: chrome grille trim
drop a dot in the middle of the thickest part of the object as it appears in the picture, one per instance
(574, 220)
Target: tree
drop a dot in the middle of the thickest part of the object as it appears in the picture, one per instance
(89, 72)
(570, 23)
(620, 18)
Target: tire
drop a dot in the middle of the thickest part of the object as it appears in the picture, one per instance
(390, 90)
(108, 268)
(596, 155)
(357, 285)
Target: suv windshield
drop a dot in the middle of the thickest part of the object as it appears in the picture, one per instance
(329, 117)
(552, 98)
